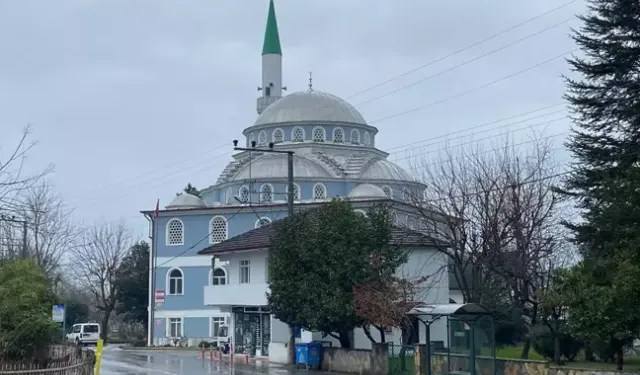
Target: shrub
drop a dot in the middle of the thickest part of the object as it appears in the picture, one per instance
(26, 328)
(204, 344)
(139, 343)
(543, 341)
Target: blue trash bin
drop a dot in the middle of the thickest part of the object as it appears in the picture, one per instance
(309, 355)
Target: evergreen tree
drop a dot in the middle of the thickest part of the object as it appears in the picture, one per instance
(190, 189)
(132, 280)
(605, 103)
(605, 143)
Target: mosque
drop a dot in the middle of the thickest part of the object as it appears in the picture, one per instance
(223, 298)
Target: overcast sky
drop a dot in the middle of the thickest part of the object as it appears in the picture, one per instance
(133, 99)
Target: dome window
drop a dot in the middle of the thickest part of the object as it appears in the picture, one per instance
(244, 194)
(406, 195)
(262, 138)
(229, 196)
(278, 136)
(266, 193)
(297, 134)
(367, 139)
(355, 136)
(338, 135)
(252, 138)
(296, 192)
(319, 192)
(387, 191)
(319, 134)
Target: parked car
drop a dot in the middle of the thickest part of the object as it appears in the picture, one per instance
(84, 334)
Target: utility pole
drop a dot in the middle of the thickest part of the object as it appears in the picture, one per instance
(290, 193)
(24, 254)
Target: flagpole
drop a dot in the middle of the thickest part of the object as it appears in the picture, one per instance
(152, 276)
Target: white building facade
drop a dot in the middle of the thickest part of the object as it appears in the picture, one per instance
(335, 156)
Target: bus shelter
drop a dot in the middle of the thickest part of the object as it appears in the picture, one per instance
(470, 334)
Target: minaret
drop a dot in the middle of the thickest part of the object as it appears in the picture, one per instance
(271, 63)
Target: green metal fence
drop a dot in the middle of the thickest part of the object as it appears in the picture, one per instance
(401, 359)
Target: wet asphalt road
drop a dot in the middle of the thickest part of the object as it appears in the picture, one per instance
(117, 361)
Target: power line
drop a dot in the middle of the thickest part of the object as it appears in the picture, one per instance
(466, 62)
(529, 20)
(464, 93)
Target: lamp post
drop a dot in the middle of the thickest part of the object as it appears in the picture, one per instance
(290, 194)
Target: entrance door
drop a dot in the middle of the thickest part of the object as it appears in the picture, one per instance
(266, 333)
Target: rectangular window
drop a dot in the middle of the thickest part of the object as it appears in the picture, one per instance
(266, 269)
(245, 272)
(216, 323)
(175, 327)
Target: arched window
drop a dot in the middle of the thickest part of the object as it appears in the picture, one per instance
(367, 139)
(262, 138)
(338, 135)
(355, 136)
(243, 194)
(252, 138)
(319, 135)
(262, 222)
(219, 229)
(387, 191)
(219, 277)
(319, 192)
(277, 136)
(266, 193)
(175, 232)
(361, 212)
(296, 192)
(297, 134)
(229, 195)
(175, 282)
(406, 195)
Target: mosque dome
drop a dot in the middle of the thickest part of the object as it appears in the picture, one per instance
(310, 105)
(366, 191)
(275, 166)
(185, 200)
(382, 169)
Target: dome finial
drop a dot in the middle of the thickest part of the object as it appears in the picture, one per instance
(310, 81)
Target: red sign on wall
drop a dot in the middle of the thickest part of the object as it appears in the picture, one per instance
(159, 295)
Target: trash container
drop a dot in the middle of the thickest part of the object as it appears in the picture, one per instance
(309, 355)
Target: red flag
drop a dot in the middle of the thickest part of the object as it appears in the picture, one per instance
(155, 212)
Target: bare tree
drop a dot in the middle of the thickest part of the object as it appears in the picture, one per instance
(12, 177)
(51, 232)
(497, 213)
(96, 260)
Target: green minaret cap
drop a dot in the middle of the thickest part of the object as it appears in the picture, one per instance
(271, 35)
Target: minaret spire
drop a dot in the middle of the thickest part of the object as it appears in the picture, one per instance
(271, 35)
(271, 63)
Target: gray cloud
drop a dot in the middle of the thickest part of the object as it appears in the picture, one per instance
(118, 89)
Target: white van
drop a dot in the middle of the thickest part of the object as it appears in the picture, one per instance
(85, 333)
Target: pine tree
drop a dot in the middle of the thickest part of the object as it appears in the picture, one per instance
(605, 143)
(605, 104)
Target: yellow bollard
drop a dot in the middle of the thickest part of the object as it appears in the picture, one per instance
(96, 370)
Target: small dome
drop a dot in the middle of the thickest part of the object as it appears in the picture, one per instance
(275, 166)
(366, 191)
(310, 106)
(185, 200)
(385, 170)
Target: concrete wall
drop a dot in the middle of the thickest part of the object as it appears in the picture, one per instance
(357, 361)
(485, 365)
